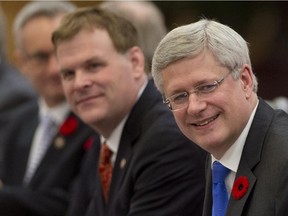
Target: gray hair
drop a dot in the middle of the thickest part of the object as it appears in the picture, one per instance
(188, 41)
(2, 35)
(37, 9)
(148, 20)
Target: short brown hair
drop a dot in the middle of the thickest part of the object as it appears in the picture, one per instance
(122, 33)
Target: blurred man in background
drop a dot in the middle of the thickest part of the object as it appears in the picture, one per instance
(15, 90)
(147, 19)
(45, 145)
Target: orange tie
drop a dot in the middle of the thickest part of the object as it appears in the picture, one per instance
(105, 169)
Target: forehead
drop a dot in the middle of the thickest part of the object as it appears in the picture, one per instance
(191, 71)
(38, 30)
(87, 39)
(86, 44)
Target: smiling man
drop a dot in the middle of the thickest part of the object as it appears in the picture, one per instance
(156, 170)
(204, 73)
(45, 143)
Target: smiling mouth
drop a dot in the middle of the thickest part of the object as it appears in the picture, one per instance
(206, 121)
(83, 100)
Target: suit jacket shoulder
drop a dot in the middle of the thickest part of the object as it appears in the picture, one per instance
(50, 187)
(15, 88)
(264, 163)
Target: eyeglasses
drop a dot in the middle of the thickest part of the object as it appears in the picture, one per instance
(181, 99)
(40, 58)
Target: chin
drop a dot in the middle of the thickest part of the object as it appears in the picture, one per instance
(90, 116)
(58, 94)
(85, 118)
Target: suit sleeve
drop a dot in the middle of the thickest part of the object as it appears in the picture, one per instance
(282, 195)
(15, 201)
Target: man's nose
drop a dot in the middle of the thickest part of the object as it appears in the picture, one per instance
(195, 104)
(82, 80)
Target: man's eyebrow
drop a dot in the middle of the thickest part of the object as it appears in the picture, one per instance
(65, 70)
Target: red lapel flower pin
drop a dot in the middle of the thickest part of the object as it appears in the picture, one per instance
(87, 145)
(240, 187)
(69, 126)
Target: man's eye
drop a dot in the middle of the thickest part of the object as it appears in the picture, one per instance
(206, 88)
(42, 57)
(92, 66)
(67, 74)
(180, 97)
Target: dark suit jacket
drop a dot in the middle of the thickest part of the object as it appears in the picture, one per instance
(15, 90)
(157, 170)
(264, 162)
(48, 191)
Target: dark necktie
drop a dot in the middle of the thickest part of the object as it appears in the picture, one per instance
(220, 196)
(105, 169)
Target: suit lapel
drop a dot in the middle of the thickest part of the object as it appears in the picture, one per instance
(131, 132)
(98, 206)
(251, 156)
(123, 159)
(56, 148)
(25, 139)
(207, 207)
(121, 168)
(24, 150)
(235, 207)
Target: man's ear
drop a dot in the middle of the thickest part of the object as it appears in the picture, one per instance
(137, 58)
(247, 79)
(20, 61)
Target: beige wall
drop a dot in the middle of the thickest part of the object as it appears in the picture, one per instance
(11, 8)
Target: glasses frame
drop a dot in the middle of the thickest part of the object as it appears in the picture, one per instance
(205, 88)
(40, 58)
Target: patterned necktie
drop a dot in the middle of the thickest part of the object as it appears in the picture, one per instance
(105, 169)
(220, 196)
(48, 130)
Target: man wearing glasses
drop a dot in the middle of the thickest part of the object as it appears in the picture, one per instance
(204, 73)
(46, 142)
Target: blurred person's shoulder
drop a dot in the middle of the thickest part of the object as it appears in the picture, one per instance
(14, 87)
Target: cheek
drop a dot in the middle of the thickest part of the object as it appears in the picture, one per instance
(38, 76)
(38, 80)
(184, 128)
(25, 67)
(67, 90)
(180, 120)
(28, 71)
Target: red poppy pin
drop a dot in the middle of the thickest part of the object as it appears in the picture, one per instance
(69, 126)
(240, 187)
(87, 145)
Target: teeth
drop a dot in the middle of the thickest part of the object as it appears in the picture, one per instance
(207, 122)
(204, 123)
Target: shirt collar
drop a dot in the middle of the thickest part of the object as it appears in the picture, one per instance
(57, 113)
(114, 139)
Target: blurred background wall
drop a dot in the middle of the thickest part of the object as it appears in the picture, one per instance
(263, 24)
